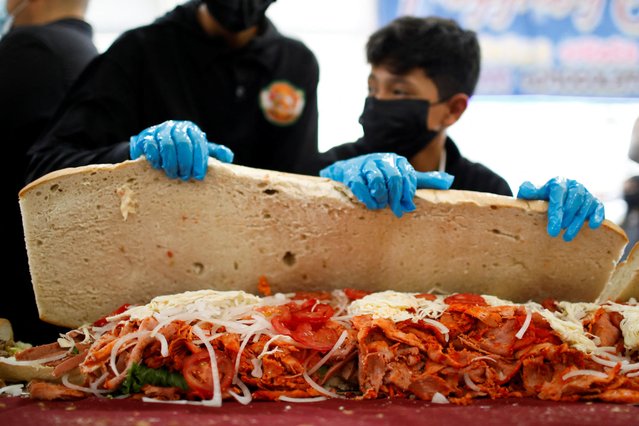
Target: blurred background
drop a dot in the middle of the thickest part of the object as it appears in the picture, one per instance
(558, 94)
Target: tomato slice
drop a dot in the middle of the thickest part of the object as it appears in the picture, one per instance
(103, 321)
(321, 339)
(303, 295)
(306, 324)
(426, 296)
(466, 299)
(198, 374)
(312, 312)
(354, 294)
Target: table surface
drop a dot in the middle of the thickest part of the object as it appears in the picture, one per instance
(399, 412)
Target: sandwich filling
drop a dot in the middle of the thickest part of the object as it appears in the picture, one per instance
(206, 346)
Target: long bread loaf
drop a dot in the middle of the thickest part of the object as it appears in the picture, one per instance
(101, 236)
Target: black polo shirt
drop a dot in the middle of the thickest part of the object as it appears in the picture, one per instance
(260, 101)
(38, 64)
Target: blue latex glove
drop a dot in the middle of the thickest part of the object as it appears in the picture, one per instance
(570, 205)
(178, 147)
(385, 179)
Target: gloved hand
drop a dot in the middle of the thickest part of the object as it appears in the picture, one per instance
(178, 147)
(383, 179)
(570, 205)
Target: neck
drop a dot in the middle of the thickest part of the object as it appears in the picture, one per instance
(211, 27)
(427, 160)
(41, 17)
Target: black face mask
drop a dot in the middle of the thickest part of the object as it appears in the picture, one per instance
(238, 15)
(397, 126)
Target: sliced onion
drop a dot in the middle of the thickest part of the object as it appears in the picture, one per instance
(216, 400)
(12, 390)
(313, 399)
(574, 373)
(118, 344)
(438, 325)
(526, 324)
(246, 397)
(319, 388)
(438, 398)
(325, 358)
(96, 392)
(470, 383)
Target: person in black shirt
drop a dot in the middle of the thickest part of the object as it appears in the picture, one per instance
(47, 46)
(219, 68)
(423, 73)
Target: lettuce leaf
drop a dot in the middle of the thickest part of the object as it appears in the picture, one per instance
(140, 375)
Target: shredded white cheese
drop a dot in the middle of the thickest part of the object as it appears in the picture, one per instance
(629, 325)
(204, 304)
(398, 306)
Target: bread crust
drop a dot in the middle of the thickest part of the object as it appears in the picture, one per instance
(101, 236)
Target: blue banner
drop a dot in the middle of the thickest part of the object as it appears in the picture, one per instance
(545, 47)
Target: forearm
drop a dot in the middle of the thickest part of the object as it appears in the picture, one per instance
(51, 158)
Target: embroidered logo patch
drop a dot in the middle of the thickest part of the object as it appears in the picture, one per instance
(282, 103)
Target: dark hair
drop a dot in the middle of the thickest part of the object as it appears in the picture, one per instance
(448, 54)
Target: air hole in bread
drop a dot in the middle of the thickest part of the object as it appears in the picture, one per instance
(266, 215)
(131, 180)
(493, 207)
(85, 260)
(236, 266)
(270, 191)
(55, 188)
(198, 268)
(39, 242)
(289, 258)
(304, 277)
(262, 184)
(38, 193)
(98, 206)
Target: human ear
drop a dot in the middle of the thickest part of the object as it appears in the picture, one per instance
(457, 104)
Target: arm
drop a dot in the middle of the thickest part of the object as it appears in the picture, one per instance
(96, 118)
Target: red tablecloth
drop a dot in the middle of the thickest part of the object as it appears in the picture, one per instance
(102, 412)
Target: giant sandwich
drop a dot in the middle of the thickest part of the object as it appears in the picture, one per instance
(415, 321)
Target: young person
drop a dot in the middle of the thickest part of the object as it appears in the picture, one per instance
(423, 73)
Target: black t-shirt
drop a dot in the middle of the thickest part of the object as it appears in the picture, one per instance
(38, 64)
(260, 100)
(469, 176)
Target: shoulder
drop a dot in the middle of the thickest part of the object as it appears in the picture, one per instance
(20, 38)
(474, 176)
(288, 45)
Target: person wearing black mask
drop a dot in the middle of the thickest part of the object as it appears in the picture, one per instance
(423, 73)
(208, 75)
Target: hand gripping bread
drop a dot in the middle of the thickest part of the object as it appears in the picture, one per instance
(101, 236)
